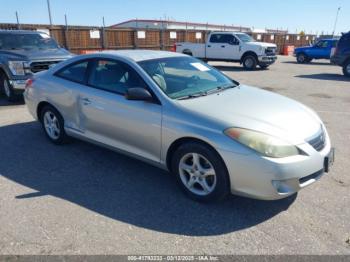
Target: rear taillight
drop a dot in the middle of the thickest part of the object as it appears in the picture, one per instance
(173, 49)
(29, 83)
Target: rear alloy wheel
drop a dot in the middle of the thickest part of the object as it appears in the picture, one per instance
(8, 90)
(301, 58)
(250, 62)
(346, 69)
(200, 172)
(53, 125)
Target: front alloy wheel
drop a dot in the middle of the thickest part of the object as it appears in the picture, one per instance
(197, 174)
(200, 172)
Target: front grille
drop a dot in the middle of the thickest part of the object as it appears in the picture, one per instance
(318, 142)
(312, 176)
(270, 51)
(36, 67)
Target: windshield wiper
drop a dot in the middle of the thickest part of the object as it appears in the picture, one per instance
(220, 88)
(192, 96)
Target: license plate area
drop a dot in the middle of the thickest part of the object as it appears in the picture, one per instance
(329, 160)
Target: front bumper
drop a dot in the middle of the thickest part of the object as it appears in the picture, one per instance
(266, 178)
(18, 85)
(337, 60)
(267, 59)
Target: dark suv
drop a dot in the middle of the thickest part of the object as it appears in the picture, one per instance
(341, 56)
(23, 53)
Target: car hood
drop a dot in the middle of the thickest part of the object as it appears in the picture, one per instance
(37, 55)
(263, 44)
(259, 110)
(303, 48)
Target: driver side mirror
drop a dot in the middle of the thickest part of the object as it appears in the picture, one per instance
(138, 93)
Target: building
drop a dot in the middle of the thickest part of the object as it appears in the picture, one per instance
(175, 25)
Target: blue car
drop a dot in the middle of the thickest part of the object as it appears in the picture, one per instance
(321, 50)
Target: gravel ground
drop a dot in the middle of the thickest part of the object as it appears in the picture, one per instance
(83, 199)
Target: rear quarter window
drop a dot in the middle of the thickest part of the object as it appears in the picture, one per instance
(75, 72)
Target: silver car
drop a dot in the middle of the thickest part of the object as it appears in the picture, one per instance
(176, 112)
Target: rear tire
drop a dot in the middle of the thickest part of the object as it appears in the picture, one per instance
(200, 172)
(53, 125)
(346, 68)
(7, 89)
(250, 62)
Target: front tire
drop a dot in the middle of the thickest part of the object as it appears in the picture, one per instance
(250, 62)
(8, 90)
(53, 125)
(200, 172)
(346, 68)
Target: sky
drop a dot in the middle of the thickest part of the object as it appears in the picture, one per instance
(311, 16)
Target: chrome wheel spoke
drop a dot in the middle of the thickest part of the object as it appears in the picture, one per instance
(209, 172)
(196, 162)
(203, 183)
(197, 174)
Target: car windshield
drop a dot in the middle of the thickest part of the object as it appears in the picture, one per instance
(27, 41)
(186, 77)
(245, 38)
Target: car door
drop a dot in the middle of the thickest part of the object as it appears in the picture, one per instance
(321, 50)
(108, 117)
(223, 46)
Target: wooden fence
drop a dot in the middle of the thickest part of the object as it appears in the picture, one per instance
(80, 39)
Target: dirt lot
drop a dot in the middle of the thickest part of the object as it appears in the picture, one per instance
(83, 199)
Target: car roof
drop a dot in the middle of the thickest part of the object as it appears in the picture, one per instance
(142, 55)
(19, 32)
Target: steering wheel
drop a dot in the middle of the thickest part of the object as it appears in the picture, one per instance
(194, 78)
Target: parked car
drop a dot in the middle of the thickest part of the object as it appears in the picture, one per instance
(23, 53)
(178, 113)
(341, 55)
(231, 47)
(321, 50)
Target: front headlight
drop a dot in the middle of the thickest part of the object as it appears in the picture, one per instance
(17, 67)
(265, 144)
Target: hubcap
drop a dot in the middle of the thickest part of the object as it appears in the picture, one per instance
(7, 88)
(51, 124)
(348, 68)
(249, 62)
(301, 58)
(197, 174)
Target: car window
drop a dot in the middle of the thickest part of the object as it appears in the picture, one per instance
(114, 76)
(75, 72)
(334, 43)
(223, 38)
(322, 44)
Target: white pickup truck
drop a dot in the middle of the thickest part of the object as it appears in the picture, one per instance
(232, 47)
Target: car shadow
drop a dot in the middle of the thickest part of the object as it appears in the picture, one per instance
(326, 76)
(236, 68)
(120, 187)
(310, 64)
(4, 102)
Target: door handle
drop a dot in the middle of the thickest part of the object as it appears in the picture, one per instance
(223, 46)
(209, 45)
(86, 101)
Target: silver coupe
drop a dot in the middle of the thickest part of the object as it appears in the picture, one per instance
(176, 112)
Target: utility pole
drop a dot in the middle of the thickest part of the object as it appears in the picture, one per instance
(336, 21)
(49, 10)
(18, 24)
